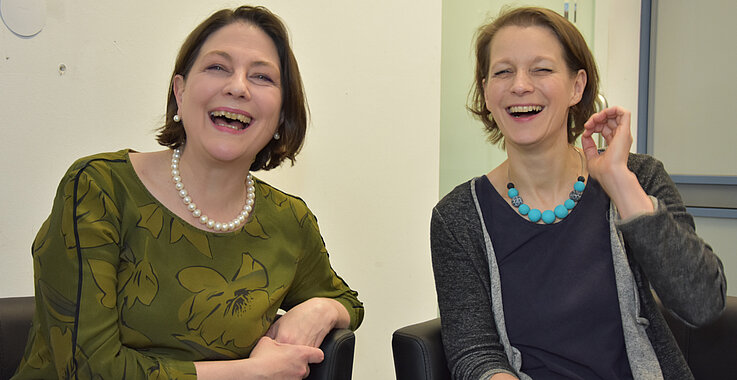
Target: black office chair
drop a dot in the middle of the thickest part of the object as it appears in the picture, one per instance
(710, 351)
(16, 316)
(338, 347)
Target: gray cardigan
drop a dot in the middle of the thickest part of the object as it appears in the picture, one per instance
(659, 250)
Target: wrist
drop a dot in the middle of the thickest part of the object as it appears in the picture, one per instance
(241, 369)
(336, 312)
(627, 195)
(250, 369)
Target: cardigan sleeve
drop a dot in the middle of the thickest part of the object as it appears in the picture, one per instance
(470, 338)
(683, 270)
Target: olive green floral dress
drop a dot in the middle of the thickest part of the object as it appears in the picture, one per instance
(125, 289)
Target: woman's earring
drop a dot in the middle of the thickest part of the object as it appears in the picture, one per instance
(277, 136)
(176, 118)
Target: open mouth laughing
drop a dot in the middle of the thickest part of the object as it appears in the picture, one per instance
(524, 111)
(232, 120)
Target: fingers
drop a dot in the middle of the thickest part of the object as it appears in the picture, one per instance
(286, 360)
(307, 353)
(313, 354)
(611, 117)
(614, 126)
(588, 145)
(608, 122)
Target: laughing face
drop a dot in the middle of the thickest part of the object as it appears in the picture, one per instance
(529, 87)
(230, 101)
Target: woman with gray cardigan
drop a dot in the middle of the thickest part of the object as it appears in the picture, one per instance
(564, 293)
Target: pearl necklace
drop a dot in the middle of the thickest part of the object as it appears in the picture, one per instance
(197, 213)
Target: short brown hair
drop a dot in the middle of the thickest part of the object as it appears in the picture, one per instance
(293, 119)
(575, 52)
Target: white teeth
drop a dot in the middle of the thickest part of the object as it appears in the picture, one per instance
(228, 126)
(518, 109)
(231, 115)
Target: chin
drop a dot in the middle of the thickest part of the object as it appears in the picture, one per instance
(227, 153)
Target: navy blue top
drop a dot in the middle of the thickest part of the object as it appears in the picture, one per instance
(558, 288)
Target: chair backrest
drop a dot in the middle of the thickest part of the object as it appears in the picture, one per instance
(16, 315)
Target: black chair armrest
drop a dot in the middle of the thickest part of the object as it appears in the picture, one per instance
(338, 347)
(418, 352)
(16, 315)
(710, 351)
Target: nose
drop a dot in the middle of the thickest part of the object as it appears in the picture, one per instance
(238, 86)
(522, 83)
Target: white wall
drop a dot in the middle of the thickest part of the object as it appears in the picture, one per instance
(369, 169)
(617, 52)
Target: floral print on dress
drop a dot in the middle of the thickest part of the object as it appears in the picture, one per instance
(194, 237)
(220, 307)
(93, 210)
(152, 218)
(137, 282)
(58, 306)
(104, 275)
(65, 366)
(268, 192)
(255, 229)
(300, 211)
(158, 372)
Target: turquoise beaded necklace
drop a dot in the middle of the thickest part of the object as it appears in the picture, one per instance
(547, 216)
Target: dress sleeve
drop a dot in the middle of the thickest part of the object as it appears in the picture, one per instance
(76, 329)
(687, 276)
(470, 338)
(315, 276)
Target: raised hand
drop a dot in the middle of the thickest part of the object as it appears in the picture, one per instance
(610, 166)
(614, 125)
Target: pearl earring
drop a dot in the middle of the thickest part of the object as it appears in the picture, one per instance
(176, 118)
(277, 136)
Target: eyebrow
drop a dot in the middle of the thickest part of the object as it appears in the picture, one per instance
(230, 58)
(536, 60)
